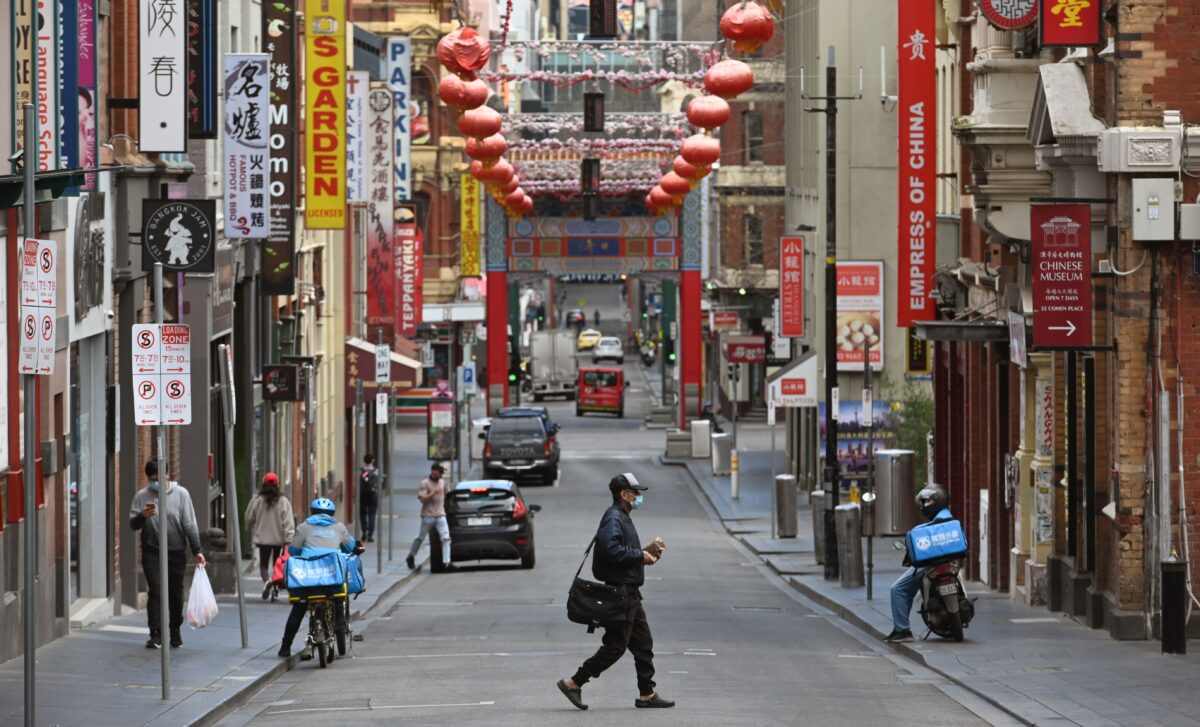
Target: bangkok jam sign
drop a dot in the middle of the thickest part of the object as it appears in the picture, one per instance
(325, 127)
(916, 259)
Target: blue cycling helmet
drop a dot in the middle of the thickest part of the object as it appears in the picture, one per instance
(323, 504)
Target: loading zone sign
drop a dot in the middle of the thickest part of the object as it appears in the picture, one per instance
(162, 373)
(39, 305)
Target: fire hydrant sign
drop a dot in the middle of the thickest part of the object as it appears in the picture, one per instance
(162, 373)
(1062, 275)
(39, 305)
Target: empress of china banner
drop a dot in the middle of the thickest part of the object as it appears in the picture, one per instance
(916, 260)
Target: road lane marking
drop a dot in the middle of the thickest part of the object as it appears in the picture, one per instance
(1036, 620)
(497, 654)
(678, 672)
(124, 629)
(375, 707)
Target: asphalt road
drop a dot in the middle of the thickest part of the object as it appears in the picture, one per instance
(487, 644)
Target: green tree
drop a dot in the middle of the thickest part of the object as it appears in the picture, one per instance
(914, 408)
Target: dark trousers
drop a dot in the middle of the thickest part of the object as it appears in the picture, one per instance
(366, 516)
(176, 568)
(296, 618)
(634, 636)
(266, 560)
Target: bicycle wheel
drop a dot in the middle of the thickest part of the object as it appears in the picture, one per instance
(323, 653)
(342, 629)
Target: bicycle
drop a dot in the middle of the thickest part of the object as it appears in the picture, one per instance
(328, 621)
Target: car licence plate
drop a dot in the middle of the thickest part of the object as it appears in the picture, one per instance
(518, 461)
(479, 521)
(945, 589)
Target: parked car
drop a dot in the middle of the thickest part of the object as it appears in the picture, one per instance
(489, 520)
(601, 390)
(540, 413)
(520, 447)
(576, 319)
(587, 339)
(608, 348)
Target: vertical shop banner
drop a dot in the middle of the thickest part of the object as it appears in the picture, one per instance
(399, 70)
(1062, 275)
(381, 260)
(23, 41)
(279, 42)
(357, 86)
(325, 119)
(88, 99)
(202, 33)
(916, 260)
(162, 74)
(791, 287)
(1070, 23)
(6, 94)
(68, 87)
(47, 95)
(469, 227)
(247, 158)
(859, 314)
(409, 261)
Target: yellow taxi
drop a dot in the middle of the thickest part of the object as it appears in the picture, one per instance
(587, 339)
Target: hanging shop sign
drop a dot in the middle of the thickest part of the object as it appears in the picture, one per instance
(22, 55)
(859, 314)
(916, 355)
(469, 227)
(1062, 275)
(88, 100)
(281, 382)
(68, 88)
(1070, 23)
(357, 87)
(723, 320)
(202, 69)
(325, 119)
(1009, 14)
(409, 272)
(796, 384)
(247, 158)
(47, 65)
(791, 287)
(381, 260)
(1017, 352)
(180, 234)
(746, 349)
(916, 260)
(279, 42)
(399, 70)
(162, 65)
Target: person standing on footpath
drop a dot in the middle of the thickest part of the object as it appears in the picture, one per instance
(432, 494)
(618, 560)
(181, 531)
(368, 497)
(271, 524)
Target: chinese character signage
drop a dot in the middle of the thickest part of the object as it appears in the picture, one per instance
(408, 267)
(1062, 275)
(791, 287)
(247, 158)
(1070, 23)
(1009, 14)
(916, 355)
(746, 349)
(162, 65)
(325, 119)
(279, 42)
(469, 227)
(381, 260)
(859, 314)
(916, 260)
(399, 69)
(89, 99)
(47, 94)
(357, 83)
(202, 69)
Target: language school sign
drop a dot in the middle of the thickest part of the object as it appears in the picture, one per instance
(916, 261)
(1062, 275)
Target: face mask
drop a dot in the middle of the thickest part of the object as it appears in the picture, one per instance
(637, 502)
(154, 485)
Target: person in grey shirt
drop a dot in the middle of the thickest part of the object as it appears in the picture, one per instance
(181, 532)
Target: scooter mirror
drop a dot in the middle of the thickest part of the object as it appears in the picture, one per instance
(897, 545)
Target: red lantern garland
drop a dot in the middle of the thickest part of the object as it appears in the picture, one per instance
(463, 52)
(729, 79)
(701, 150)
(461, 94)
(708, 112)
(480, 123)
(748, 25)
(675, 185)
(487, 150)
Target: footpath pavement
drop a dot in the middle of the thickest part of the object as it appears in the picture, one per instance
(1040, 667)
(103, 674)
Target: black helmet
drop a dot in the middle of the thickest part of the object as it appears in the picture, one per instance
(932, 499)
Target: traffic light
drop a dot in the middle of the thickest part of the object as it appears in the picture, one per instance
(541, 313)
(514, 364)
(668, 351)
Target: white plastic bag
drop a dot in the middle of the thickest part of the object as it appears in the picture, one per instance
(202, 604)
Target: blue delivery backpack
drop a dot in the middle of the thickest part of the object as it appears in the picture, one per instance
(936, 541)
(327, 570)
(357, 582)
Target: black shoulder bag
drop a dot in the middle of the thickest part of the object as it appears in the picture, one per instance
(595, 604)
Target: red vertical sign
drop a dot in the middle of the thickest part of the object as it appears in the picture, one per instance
(791, 286)
(917, 258)
(1062, 275)
(408, 248)
(1070, 23)
(381, 266)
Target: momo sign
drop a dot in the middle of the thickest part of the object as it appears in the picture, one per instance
(179, 233)
(916, 259)
(247, 159)
(325, 123)
(279, 42)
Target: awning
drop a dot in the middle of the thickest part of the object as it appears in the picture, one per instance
(360, 366)
(979, 330)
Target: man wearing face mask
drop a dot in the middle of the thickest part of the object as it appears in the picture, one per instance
(618, 559)
(432, 494)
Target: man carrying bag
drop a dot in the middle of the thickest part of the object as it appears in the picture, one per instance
(618, 561)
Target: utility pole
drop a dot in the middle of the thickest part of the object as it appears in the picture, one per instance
(832, 484)
(29, 467)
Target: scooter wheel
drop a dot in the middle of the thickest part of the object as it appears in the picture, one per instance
(956, 628)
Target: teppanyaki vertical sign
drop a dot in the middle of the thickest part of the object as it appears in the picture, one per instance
(357, 84)
(162, 68)
(1070, 23)
(279, 42)
(202, 69)
(407, 248)
(916, 260)
(399, 69)
(247, 158)
(325, 123)
(468, 229)
(1062, 275)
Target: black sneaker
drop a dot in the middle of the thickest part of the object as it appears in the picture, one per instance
(285, 652)
(153, 643)
(899, 637)
(412, 564)
(176, 640)
(266, 592)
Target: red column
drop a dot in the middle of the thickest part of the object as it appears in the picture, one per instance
(688, 350)
(497, 329)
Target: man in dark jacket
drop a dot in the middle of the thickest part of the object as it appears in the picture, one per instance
(618, 559)
(368, 497)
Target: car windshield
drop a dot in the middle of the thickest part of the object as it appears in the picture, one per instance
(480, 499)
(600, 378)
(519, 426)
(610, 342)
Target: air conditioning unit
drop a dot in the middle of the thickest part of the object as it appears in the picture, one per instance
(1134, 149)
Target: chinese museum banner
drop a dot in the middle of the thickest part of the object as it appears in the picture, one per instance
(279, 41)
(325, 120)
(1062, 275)
(247, 158)
(162, 63)
(1070, 23)
(916, 259)
(399, 69)
(859, 314)
(469, 227)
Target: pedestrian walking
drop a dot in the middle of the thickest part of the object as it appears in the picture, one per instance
(271, 524)
(432, 494)
(596, 317)
(181, 532)
(368, 497)
(618, 560)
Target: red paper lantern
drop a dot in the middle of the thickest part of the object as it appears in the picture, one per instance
(464, 51)
(487, 150)
(650, 204)
(661, 199)
(701, 150)
(675, 185)
(689, 171)
(479, 171)
(515, 198)
(509, 186)
(461, 94)
(499, 173)
(708, 112)
(729, 78)
(479, 123)
(748, 25)
(526, 205)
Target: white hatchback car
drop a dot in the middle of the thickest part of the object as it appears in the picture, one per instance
(610, 348)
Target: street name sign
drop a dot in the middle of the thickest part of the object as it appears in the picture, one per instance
(162, 372)
(39, 306)
(383, 363)
(1062, 275)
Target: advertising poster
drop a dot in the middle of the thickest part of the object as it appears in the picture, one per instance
(325, 119)
(469, 227)
(409, 261)
(247, 158)
(399, 70)
(916, 259)
(853, 446)
(202, 69)
(279, 42)
(47, 91)
(68, 88)
(357, 87)
(859, 314)
(89, 150)
(162, 65)
(441, 429)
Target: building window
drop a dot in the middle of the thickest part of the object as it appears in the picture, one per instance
(752, 137)
(752, 238)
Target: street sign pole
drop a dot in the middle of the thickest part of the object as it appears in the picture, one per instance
(382, 463)
(868, 497)
(164, 479)
(733, 453)
(30, 386)
(232, 507)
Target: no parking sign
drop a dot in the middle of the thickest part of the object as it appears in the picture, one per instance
(162, 372)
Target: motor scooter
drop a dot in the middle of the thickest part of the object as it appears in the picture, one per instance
(945, 607)
(648, 354)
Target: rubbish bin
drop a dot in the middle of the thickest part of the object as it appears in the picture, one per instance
(895, 491)
(478, 426)
(816, 501)
(722, 453)
(785, 506)
(849, 535)
(701, 431)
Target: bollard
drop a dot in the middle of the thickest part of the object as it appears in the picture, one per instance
(1173, 626)
(816, 500)
(785, 506)
(733, 474)
(849, 534)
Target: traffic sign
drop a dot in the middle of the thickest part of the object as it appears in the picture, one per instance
(427, 360)
(1062, 275)
(468, 379)
(162, 372)
(383, 363)
(381, 408)
(39, 307)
